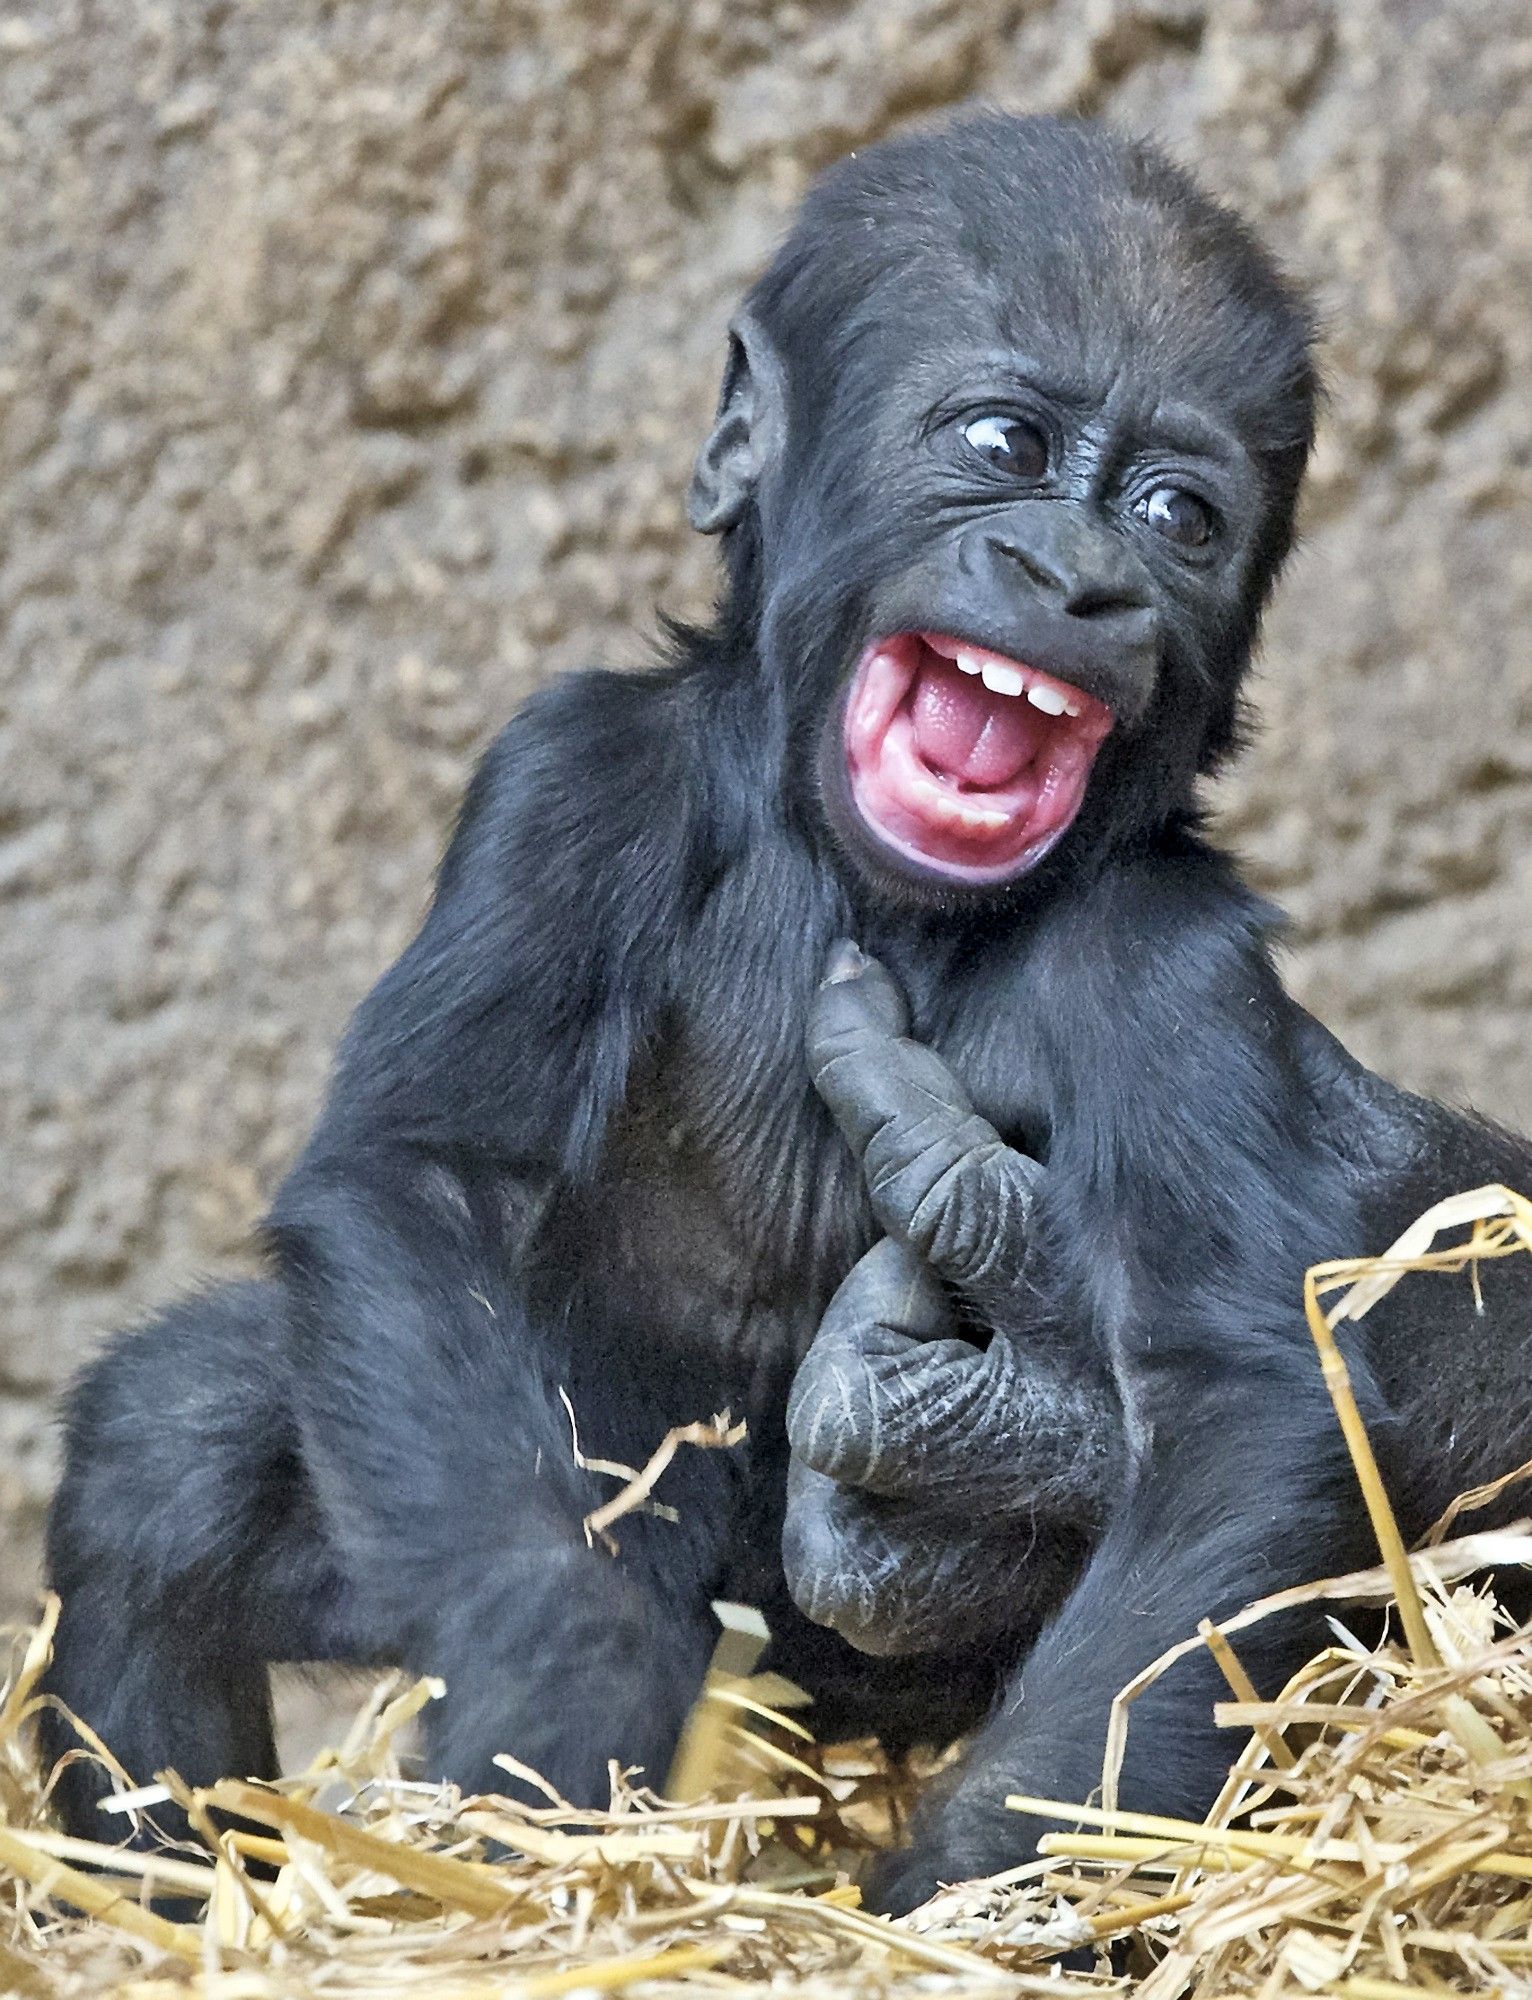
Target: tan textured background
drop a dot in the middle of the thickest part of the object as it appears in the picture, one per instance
(351, 358)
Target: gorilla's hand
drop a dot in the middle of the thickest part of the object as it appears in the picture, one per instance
(940, 1493)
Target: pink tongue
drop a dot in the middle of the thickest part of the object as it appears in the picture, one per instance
(964, 730)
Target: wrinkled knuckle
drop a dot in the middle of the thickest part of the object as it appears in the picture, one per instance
(837, 1445)
(1018, 1179)
(824, 1576)
(831, 1424)
(947, 1227)
(981, 1262)
(1002, 1369)
(899, 1145)
(941, 1189)
(906, 1164)
(855, 1088)
(980, 1212)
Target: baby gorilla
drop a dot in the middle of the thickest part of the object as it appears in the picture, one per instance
(1005, 461)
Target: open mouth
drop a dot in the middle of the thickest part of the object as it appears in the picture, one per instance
(969, 763)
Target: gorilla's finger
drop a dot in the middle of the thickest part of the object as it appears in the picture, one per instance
(940, 1176)
(877, 999)
(863, 1065)
(888, 1401)
(959, 1196)
(882, 1378)
(868, 1570)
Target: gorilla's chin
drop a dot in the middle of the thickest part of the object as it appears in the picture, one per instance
(964, 763)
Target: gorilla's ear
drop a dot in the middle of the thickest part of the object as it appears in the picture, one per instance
(748, 432)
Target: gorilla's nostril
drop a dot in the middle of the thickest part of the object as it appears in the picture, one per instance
(1101, 602)
(1032, 564)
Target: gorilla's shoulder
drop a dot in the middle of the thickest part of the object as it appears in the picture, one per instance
(574, 783)
(591, 732)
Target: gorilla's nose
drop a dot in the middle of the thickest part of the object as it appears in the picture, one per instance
(1080, 569)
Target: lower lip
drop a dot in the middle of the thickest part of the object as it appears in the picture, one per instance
(939, 822)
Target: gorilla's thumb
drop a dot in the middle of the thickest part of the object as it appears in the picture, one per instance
(856, 1004)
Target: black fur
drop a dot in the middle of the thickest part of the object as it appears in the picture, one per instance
(571, 1143)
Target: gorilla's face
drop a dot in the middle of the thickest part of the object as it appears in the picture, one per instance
(1068, 612)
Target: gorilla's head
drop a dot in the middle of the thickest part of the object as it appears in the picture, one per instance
(1006, 458)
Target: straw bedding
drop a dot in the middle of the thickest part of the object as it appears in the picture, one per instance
(1374, 1838)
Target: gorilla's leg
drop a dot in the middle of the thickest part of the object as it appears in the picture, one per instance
(560, 1654)
(195, 1540)
(566, 1650)
(186, 1552)
(1203, 1530)
(437, 1433)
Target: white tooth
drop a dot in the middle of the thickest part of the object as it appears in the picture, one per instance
(1002, 680)
(1071, 707)
(962, 815)
(966, 663)
(1048, 699)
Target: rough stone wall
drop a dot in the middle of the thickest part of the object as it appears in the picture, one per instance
(351, 358)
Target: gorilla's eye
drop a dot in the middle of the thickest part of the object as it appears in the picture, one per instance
(1177, 514)
(1010, 445)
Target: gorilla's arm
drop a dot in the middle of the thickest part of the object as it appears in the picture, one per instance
(1234, 1482)
(942, 1489)
(367, 1457)
(508, 1027)
(475, 1086)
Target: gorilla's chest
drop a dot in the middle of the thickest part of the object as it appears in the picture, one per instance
(729, 1190)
